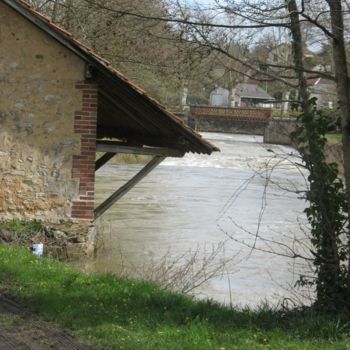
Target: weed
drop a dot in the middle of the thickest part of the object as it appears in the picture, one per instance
(110, 312)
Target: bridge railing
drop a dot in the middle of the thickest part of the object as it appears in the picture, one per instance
(236, 113)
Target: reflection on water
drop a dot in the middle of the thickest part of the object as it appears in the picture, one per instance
(198, 201)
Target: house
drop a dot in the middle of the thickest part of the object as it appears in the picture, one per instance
(324, 90)
(250, 94)
(60, 104)
(219, 97)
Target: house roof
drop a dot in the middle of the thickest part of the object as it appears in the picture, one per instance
(125, 111)
(249, 90)
(319, 81)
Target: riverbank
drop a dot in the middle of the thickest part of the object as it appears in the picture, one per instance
(112, 313)
(20, 329)
(62, 241)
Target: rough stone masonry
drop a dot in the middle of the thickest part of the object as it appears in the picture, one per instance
(47, 126)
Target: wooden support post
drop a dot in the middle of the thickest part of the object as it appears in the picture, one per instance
(103, 160)
(128, 186)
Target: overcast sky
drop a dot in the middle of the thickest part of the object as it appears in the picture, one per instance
(198, 2)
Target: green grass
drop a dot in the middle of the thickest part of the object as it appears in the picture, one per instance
(20, 232)
(334, 137)
(18, 226)
(113, 313)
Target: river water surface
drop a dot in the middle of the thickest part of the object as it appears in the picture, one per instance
(198, 202)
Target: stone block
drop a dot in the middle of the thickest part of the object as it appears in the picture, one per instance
(13, 65)
(18, 173)
(52, 98)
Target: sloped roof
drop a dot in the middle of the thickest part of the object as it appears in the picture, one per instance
(125, 111)
(248, 90)
(319, 81)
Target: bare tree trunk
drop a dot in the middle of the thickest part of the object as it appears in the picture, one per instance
(343, 90)
(297, 44)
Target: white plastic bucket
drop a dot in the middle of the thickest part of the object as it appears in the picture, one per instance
(38, 249)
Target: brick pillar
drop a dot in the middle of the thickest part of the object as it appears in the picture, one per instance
(83, 167)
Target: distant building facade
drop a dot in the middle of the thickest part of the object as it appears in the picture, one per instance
(219, 98)
(324, 91)
(251, 95)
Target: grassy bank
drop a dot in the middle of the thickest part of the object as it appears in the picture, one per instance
(334, 137)
(19, 232)
(112, 313)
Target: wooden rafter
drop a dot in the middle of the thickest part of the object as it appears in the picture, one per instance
(128, 186)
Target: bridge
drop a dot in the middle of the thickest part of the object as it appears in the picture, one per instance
(230, 120)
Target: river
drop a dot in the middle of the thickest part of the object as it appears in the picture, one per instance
(228, 202)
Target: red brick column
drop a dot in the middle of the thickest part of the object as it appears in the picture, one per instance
(83, 167)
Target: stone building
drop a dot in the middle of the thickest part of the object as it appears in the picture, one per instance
(59, 103)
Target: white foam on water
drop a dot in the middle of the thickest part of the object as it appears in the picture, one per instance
(201, 200)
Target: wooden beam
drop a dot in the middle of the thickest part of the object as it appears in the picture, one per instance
(103, 160)
(120, 147)
(124, 109)
(109, 131)
(128, 186)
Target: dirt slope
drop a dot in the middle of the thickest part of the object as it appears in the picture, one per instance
(20, 329)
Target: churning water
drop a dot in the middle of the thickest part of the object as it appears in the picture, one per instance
(241, 198)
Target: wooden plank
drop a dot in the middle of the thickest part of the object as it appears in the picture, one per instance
(103, 160)
(109, 131)
(154, 115)
(119, 147)
(123, 99)
(121, 105)
(128, 186)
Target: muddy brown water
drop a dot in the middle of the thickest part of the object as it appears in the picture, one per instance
(197, 202)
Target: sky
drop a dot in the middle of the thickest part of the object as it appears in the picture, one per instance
(198, 2)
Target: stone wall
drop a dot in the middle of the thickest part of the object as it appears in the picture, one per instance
(42, 126)
(278, 130)
(228, 125)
